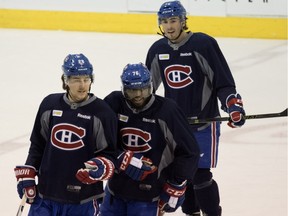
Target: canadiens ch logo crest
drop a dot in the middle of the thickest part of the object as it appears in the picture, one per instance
(135, 139)
(178, 76)
(67, 136)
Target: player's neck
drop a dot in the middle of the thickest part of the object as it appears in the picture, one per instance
(180, 38)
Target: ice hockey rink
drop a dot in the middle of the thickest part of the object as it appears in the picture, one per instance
(252, 167)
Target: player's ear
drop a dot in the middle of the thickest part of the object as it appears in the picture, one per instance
(183, 24)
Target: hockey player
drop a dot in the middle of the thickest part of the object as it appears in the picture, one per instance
(73, 147)
(195, 74)
(158, 149)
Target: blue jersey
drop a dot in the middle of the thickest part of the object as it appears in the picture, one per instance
(160, 132)
(65, 135)
(194, 73)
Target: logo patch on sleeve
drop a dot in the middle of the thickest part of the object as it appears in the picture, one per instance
(164, 56)
(123, 118)
(57, 113)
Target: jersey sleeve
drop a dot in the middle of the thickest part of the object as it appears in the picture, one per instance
(154, 67)
(224, 81)
(180, 137)
(39, 133)
(106, 136)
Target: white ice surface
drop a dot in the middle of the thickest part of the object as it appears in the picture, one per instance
(252, 168)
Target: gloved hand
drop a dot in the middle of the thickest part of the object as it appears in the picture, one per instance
(235, 109)
(135, 165)
(172, 196)
(96, 169)
(25, 176)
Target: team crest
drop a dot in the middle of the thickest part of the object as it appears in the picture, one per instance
(136, 140)
(178, 76)
(81, 62)
(67, 137)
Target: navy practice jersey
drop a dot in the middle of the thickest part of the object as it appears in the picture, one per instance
(194, 73)
(160, 132)
(65, 135)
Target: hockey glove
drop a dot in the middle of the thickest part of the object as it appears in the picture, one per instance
(235, 109)
(96, 169)
(135, 165)
(172, 196)
(25, 176)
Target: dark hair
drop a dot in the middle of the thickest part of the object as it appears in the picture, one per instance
(64, 85)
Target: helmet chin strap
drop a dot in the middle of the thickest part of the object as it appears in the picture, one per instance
(163, 34)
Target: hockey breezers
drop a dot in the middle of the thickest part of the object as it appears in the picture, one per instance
(247, 117)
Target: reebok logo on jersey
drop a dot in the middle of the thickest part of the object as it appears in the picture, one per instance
(164, 56)
(149, 120)
(57, 113)
(83, 116)
(185, 54)
(73, 188)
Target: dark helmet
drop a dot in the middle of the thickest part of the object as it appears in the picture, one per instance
(135, 76)
(171, 9)
(77, 64)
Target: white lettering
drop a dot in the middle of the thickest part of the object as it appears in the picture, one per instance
(83, 116)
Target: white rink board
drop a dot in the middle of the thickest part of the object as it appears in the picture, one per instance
(261, 8)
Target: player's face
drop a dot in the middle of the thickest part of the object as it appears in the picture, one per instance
(79, 87)
(138, 97)
(172, 27)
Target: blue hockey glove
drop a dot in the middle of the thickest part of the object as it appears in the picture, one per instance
(235, 109)
(25, 176)
(96, 169)
(172, 196)
(135, 165)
